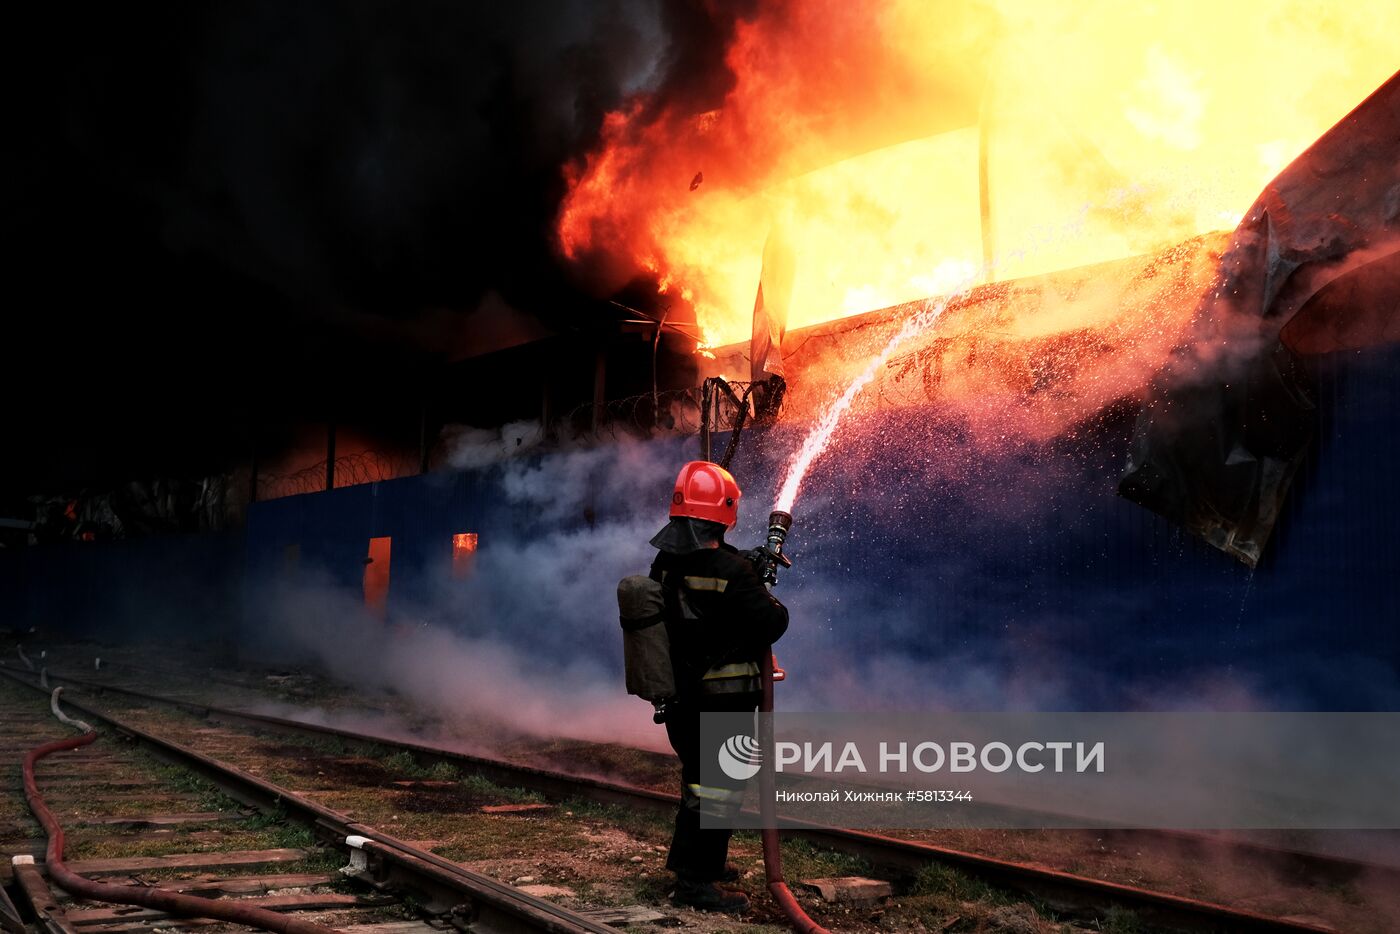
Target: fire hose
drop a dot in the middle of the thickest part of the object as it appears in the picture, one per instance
(778, 525)
(772, 849)
(174, 903)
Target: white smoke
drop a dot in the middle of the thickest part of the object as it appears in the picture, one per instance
(468, 447)
(479, 687)
(909, 592)
(530, 643)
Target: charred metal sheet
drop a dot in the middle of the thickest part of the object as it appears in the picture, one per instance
(1231, 418)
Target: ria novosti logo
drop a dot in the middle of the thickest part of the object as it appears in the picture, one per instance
(740, 757)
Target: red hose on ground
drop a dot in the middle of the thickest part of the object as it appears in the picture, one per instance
(772, 852)
(160, 899)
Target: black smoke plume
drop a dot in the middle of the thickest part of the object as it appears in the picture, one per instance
(216, 210)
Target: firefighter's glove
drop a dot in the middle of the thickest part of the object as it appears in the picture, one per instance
(759, 556)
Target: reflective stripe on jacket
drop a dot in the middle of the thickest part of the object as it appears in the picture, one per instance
(712, 800)
(728, 620)
(732, 678)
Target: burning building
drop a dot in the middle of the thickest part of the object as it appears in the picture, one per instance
(1061, 342)
(1020, 170)
(1113, 329)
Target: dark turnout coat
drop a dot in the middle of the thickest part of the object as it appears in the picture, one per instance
(723, 622)
(720, 619)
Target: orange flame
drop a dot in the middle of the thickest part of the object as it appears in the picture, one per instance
(463, 553)
(864, 129)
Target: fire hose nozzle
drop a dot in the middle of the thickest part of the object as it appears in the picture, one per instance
(779, 523)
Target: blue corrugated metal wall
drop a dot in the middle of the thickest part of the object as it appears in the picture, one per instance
(927, 568)
(160, 586)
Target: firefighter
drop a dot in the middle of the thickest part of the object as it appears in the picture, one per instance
(722, 619)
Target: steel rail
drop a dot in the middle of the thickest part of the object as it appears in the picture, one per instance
(474, 899)
(1310, 865)
(1314, 866)
(1061, 890)
(10, 921)
(179, 904)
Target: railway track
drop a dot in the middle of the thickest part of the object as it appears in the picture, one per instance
(1073, 895)
(197, 825)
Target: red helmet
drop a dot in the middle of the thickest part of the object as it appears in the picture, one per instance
(706, 491)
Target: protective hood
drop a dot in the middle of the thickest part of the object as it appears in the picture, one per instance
(683, 535)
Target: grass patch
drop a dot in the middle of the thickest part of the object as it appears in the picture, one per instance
(15, 809)
(955, 885)
(443, 772)
(941, 896)
(287, 833)
(652, 890)
(602, 895)
(120, 847)
(640, 823)
(278, 776)
(475, 840)
(326, 745)
(402, 763)
(475, 784)
(324, 860)
(802, 860)
(1121, 921)
(181, 779)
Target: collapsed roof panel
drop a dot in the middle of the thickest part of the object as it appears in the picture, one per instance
(1311, 269)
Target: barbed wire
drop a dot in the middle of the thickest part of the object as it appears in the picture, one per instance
(350, 470)
(673, 412)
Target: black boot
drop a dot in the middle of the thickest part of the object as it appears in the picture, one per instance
(707, 896)
(731, 873)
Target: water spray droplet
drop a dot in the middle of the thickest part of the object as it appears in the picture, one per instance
(819, 438)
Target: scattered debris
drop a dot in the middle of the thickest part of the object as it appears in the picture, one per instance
(626, 915)
(1015, 919)
(507, 808)
(849, 889)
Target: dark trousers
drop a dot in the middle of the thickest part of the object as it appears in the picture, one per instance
(698, 854)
